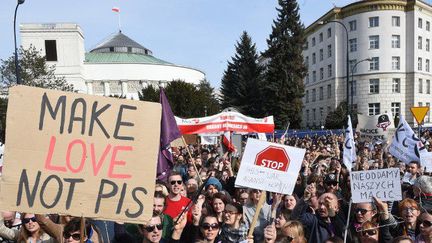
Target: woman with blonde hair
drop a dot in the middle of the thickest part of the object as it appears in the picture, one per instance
(293, 232)
(31, 232)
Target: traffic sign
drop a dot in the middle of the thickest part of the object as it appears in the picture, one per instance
(419, 113)
(274, 158)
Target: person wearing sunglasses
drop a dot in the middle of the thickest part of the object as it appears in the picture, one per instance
(71, 231)
(175, 202)
(425, 228)
(209, 229)
(369, 233)
(31, 230)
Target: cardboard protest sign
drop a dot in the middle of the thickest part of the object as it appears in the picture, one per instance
(80, 155)
(384, 184)
(269, 166)
(374, 128)
(426, 161)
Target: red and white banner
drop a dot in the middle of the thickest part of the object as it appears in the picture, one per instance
(116, 9)
(226, 121)
(226, 140)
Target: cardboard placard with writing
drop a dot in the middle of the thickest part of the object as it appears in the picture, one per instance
(384, 184)
(269, 166)
(80, 155)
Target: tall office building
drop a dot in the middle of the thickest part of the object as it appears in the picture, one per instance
(389, 47)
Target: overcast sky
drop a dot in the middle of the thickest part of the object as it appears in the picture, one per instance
(195, 33)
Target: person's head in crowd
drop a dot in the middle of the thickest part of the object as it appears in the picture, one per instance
(254, 196)
(9, 218)
(209, 227)
(369, 232)
(198, 161)
(183, 191)
(204, 155)
(380, 163)
(175, 184)
(282, 216)
(71, 231)
(243, 196)
(180, 159)
(331, 183)
(289, 201)
(30, 228)
(364, 211)
(214, 163)
(233, 214)
(334, 239)
(191, 186)
(402, 167)
(409, 211)
(426, 227)
(402, 239)
(219, 200)
(203, 173)
(211, 172)
(328, 205)
(413, 167)
(212, 186)
(423, 186)
(374, 165)
(192, 173)
(160, 187)
(158, 203)
(293, 232)
(152, 231)
(391, 162)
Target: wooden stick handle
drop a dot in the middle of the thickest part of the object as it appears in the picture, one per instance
(193, 160)
(257, 213)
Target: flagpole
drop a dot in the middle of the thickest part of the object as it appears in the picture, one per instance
(193, 160)
(347, 224)
(119, 21)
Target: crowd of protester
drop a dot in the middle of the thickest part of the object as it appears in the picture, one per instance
(202, 185)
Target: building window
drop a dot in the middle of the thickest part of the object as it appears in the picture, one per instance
(307, 78)
(427, 65)
(374, 21)
(307, 61)
(396, 85)
(313, 76)
(321, 54)
(395, 63)
(329, 91)
(420, 86)
(374, 42)
(395, 108)
(420, 23)
(353, 25)
(420, 43)
(428, 86)
(321, 73)
(419, 64)
(313, 41)
(374, 86)
(427, 45)
(427, 25)
(321, 93)
(353, 45)
(329, 32)
(427, 118)
(321, 38)
(395, 41)
(395, 21)
(374, 109)
(353, 84)
(307, 115)
(314, 113)
(420, 104)
(306, 45)
(307, 96)
(313, 95)
(374, 63)
(51, 50)
(321, 112)
(329, 70)
(313, 58)
(329, 51)
(351, 66)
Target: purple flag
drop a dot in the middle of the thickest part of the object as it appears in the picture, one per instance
(169, 132)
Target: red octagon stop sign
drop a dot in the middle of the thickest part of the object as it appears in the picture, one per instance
(274, 158)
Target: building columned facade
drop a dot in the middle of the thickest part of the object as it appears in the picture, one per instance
(389, 47)
(117, 66)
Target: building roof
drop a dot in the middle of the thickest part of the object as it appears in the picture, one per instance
(119, 57)
(119, 42)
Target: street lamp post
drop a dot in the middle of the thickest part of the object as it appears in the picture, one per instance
(347, 58)
(352, 79)
(17, 73)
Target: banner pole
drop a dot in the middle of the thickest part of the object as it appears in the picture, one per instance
(82, 227)
(257, 213)
(347, 224)
(193, 160)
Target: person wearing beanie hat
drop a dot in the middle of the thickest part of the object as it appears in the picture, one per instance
(213, 186)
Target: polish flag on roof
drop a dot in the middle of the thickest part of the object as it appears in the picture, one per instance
(116, 9)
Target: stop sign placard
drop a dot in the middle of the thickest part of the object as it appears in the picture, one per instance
(274, 158)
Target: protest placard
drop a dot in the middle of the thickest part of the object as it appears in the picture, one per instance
(384, 184)
(269, 166)
(374, 128)
(426, 161)
(80, 155)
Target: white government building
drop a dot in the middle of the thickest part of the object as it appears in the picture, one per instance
(117, 66)
(394, 34)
